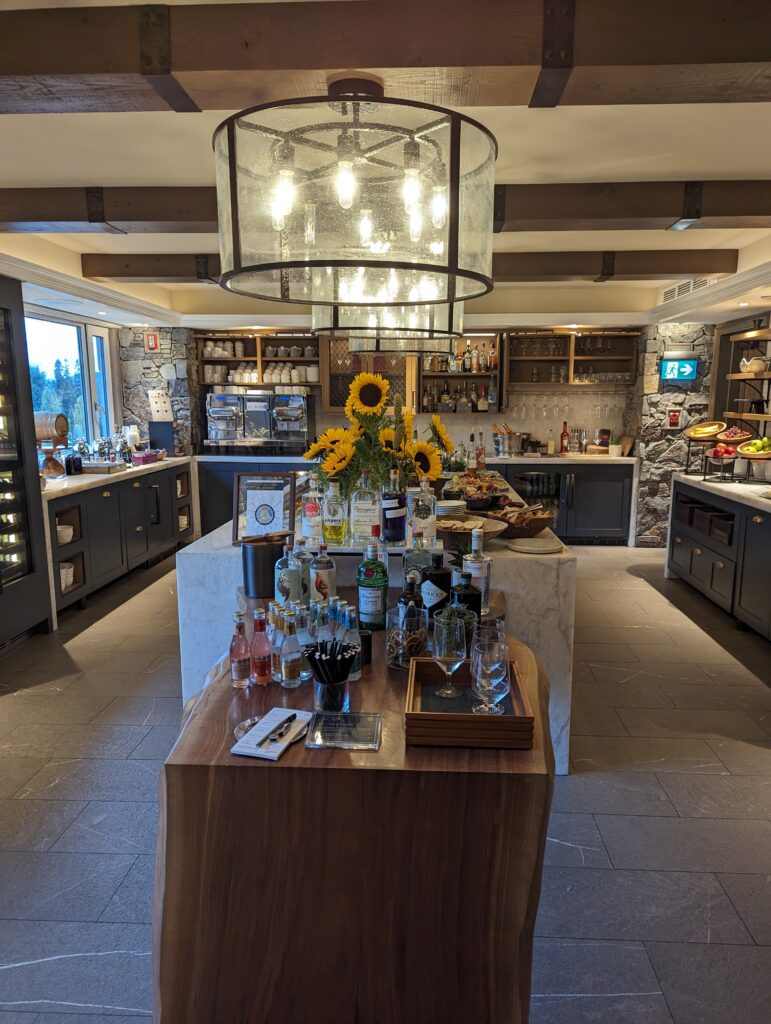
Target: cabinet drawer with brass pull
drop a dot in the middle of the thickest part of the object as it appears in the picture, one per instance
(757, 519)
(106, 494)
(139, 529)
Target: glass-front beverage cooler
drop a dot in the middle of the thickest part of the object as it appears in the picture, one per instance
(24, 596)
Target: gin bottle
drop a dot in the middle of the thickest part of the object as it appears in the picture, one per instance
(394, 512)
(301, 559)
(372, 581)
(334, 516)
(365, 511)
(465, 594)
(291, 655)
(287, 578)
(323, 576)
(435, 585)
(312, 520)
(479, 565)
(424, 513)
(414, 560)
(240, 665)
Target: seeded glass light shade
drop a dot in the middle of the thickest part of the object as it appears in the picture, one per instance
(403, 346)
(420, 323)
(353, 199)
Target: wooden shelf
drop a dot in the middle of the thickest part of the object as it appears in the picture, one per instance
(539, 359)
(759, 417)
(752, 337)
(289, 359)
(460, 376)
(228, 359)
(748, 376)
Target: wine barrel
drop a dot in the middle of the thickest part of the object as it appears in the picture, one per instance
(50, 425)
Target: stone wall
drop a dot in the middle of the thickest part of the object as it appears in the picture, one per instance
(175, 366)
(662, 449)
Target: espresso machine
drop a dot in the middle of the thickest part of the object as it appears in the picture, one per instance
(224, 418)
(250, 418)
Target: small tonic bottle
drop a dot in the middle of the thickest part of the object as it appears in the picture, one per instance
(260, 652)
(239, 653)
(275, 646)
(291, 655)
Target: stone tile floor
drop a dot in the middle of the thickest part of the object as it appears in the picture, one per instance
(656, 901)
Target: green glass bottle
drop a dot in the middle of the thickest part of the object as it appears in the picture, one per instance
(372, 581)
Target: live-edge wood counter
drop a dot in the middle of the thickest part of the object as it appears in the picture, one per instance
(348, 887)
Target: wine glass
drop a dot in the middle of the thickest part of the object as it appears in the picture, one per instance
(489, 628)
(449, 652)
(490, 675)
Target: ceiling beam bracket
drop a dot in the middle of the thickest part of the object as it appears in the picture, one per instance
(95, 205)
(203, 269)
(155, 58)
(693, 193)
(559, 22)
(608, 267)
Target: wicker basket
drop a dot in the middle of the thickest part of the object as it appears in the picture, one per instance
(531, 529)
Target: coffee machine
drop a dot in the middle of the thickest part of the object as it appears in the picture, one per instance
(292, 421)
(224, 418)
(250, 418)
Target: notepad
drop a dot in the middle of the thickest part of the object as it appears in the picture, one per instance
(248, 745)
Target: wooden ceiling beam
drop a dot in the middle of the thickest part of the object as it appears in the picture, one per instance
(507, 266)
(636, 205)
(490, 52)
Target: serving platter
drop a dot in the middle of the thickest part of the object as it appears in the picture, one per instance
(706, 431)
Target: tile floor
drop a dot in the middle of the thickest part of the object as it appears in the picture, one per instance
(656, 902)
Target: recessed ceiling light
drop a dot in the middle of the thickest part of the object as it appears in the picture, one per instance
(101, 312)
(744, 303)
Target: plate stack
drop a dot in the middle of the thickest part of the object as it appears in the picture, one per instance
(450, 507)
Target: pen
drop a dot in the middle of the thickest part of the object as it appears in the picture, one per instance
(275, 733)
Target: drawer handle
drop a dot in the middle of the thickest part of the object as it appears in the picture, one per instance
(105, 494)
(757, 519)
(678, 540)
(139, 529)
(697, 551)
(136, 484)
(720, 565)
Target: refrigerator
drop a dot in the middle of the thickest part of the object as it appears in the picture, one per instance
(24, 591)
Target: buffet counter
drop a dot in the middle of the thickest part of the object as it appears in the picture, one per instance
(331, 886)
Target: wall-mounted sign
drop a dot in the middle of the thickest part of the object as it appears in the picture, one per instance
(679, 371)
(674, 418)
(152, 341)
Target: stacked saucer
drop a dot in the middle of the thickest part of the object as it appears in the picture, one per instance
(454, 507)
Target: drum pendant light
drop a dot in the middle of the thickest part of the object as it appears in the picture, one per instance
(428, 328)
(355, 199)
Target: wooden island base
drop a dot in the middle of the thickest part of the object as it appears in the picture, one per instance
(336, 887)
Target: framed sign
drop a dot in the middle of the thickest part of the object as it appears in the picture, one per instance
(152, 341)
(263, 503)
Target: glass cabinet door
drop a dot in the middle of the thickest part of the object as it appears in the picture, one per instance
(339, 367)
(14, 528)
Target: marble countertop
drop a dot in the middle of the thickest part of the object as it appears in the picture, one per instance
(85, 481)
(756, 495)
(555, 460)
(296, 460)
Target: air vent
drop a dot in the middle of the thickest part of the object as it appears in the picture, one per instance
(677, 291)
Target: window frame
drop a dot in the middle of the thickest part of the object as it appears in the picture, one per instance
(87, 331)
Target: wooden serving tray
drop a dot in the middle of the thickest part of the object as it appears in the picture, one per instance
(428, 724)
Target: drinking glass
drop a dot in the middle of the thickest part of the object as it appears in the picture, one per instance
(449, 652)
(489, 675)
(489, 629)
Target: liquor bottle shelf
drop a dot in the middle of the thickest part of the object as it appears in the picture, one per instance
(759, 417)
(452, 376)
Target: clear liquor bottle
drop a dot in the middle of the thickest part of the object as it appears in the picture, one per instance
(312, 518)
(342, 615)
(260, 662)
(382, 549)
(394, 514)
(301, 559)
(352, 637)
(275, 646)
(365, 511)
(435, 585)
(414, 560)
(324, 631)
(287, 581)
(463, 403)
(323, 576)
(291, 655)
(481, 453)
(332, 606)
(272, 605)
(471, 458)
(302, 626)
(240, 666)
(479, 565)
(372, 585)
(334, 515)
(467, 357)
(482, 403)
(424, 513)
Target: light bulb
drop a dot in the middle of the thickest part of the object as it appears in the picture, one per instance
(416, 225)
(411, 189)
(439, 206)
(365, 227)
(310, 223)
(412, 322)
(282, 200)
(393, 283)
(345, 183)
(436, 248)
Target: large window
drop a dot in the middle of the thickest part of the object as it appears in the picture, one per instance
(69, 369)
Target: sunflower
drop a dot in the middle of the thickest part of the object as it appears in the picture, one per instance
(338, 458)
(387, 436)
(350, 415)
(440, 432)
(316, 449)
(409, 424)
(368, 394)
(425, 456)
(334, 436)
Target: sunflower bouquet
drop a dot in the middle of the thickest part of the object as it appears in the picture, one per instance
(374, 440)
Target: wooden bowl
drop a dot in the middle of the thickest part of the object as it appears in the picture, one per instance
(746, 435)
(750, 456)
(453, 540)
(530, 529)
(708, 430)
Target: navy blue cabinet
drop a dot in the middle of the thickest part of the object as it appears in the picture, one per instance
(215, 485)
(595, 502)
(753, 595)
(107, 553)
